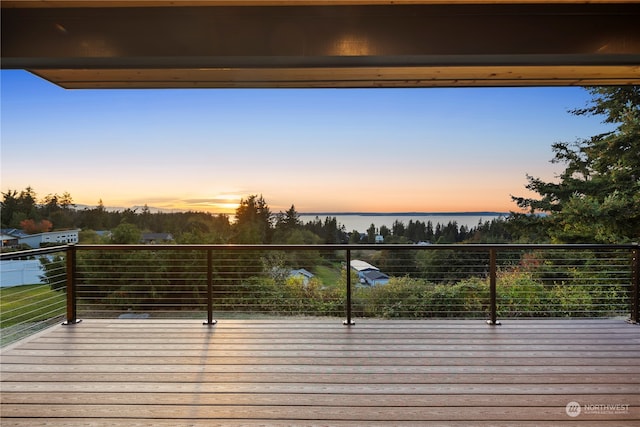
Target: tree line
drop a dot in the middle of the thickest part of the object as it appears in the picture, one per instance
(596, 199)
(254, 223)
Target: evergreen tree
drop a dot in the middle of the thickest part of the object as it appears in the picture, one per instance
(597, 197)
(17, 207)
(315, 226)
(355, 237)
(95, 218)
(398, 229)
(8, 208)
(330, 232)
(429, 232)
(384, 231)
(287, 224)
(289, 220)
(253, 220)
(371, 234)
(416, 231)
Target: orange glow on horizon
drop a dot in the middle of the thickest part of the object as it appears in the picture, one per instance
(318, 203)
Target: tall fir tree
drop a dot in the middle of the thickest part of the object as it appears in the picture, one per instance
(597, 197)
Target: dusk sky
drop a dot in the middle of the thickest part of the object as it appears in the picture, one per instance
(324, 150)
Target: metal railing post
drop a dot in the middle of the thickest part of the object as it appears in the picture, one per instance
(349, 321)
(72, 298)
(635, 285)
(629, 279)
(493, 304)
(210, 320)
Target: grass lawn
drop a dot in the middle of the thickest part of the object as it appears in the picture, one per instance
(30, 303)
(327, 275)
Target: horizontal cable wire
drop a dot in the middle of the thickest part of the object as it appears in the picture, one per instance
(451, 282)
(29, 308)
(403, 281)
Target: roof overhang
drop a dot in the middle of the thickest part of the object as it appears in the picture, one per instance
(214, 44)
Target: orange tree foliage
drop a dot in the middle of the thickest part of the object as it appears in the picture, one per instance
(32, 227)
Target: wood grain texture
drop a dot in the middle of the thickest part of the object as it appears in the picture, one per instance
(319, 372)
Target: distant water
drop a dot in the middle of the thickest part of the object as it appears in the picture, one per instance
(361, 221)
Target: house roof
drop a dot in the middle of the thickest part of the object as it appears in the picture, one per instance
(374, 275)
(360, 265)
(14, 232)
(303, 272)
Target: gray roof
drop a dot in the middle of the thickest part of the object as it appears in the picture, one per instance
(374, 275)
(14, 232)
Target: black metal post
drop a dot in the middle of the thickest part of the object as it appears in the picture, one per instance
(210, 320)
(492, 288)
(635, 285)
(71, 287)
(349, 321)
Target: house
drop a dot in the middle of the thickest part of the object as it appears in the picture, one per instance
(369, 274)
(36, 240)
(304, 274)
(12, 236)
(375, 278)
(361, 266)
(8, 240)
(104, 234)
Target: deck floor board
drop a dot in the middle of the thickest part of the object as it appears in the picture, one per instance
(309, 372)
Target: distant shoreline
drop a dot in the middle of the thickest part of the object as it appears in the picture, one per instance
(478, 213)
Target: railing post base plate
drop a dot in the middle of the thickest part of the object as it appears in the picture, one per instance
(348, 323)
(213, 322)
(71, 322)
(632, 322)
(492, 323)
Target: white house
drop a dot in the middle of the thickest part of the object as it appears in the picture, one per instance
(8, 240)
(369, 274)
(359, 265)
(36, 240)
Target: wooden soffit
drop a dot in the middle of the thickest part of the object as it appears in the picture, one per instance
(215, 44)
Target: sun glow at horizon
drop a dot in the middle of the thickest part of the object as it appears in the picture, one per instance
(334, 150)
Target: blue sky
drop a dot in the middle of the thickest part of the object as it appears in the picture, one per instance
(376, 150)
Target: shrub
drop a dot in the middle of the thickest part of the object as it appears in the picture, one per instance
(519, 295)
(570, 301)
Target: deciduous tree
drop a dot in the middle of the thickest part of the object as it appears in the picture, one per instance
(126, 233)
(30, 226)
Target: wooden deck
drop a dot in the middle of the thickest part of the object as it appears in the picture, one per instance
(311, 372)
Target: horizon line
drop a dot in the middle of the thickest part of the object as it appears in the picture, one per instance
(407, 213)
(316, 213)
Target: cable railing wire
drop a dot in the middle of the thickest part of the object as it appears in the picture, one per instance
(31, 307)
(393, 281)
(432, 282)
